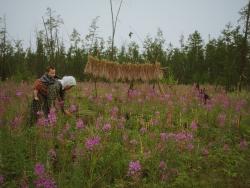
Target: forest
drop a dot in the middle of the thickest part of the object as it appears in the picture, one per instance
(223, 61)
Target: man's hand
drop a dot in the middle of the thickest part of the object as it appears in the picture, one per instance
(36, 98)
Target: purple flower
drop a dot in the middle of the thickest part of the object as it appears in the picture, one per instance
(225, 147)
(226, 102)
(162, 165)
(52, 116)
(194, 125)
(109, 97)
(40, 113)
(106, 127)
(1, 179)
(221, 119)
(164, 136)
(45, 182)
(92, 142)
(240, 104)
(39, 169)
(16, 121)
(183, 136)
(98, 122)
(154, 122)
(114, 112)
(143, 130)
(80, 124)
(121, 123)
(205, 151)
(73, 108)
(42, 121)
(134, 168)
(209, 105)
(243, 144)
(19, 93)
(61, 103)
(190, 147)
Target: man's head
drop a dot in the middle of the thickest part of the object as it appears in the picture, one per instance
(51, 71)
(68, 82)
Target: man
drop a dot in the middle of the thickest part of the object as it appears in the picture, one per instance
(41, 84)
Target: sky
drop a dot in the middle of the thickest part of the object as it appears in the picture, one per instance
(142, 17)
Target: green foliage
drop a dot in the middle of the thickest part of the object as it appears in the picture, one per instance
(219, 61)
(137, 127)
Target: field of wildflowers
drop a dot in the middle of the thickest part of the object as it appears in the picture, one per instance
(118, 139)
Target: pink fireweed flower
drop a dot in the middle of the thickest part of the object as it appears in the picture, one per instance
(42, 121)
(162, 165)
(167, 136)
(240, 104)
(209, 105)
(157, 113)
(106, 127)
(205, 151)
(52, 116)
(61, 103)
(152, 93)
(143, 130)
(243, 144)
(183, 136)
(134, 168)
(133, 93)
(73, 108)
(91, 143)
(45, 182)
(40, 113)
(66, 128)
(98, 122)
(80, 124)
(164, 136)
(194, 126)
(39, 169)
(154, 122)
(225, 147)
(109, 97)
(1, 179)
(16, 121)
(226, 102)
(190, 147)
(4, 97)
(121, 123)
(113, 112)
(221, 119)
(19, 93)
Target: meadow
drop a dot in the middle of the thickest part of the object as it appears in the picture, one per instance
(140, 138)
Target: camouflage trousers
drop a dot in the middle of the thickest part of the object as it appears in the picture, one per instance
(43, 104)
(37, 106)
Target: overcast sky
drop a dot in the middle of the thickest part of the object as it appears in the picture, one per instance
(142, 17)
